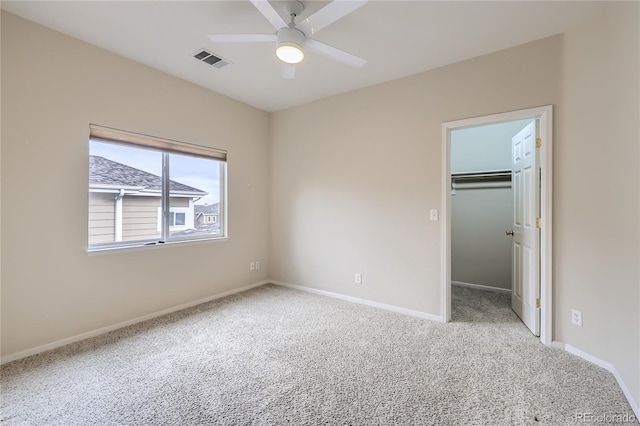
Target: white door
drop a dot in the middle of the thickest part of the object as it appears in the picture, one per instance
(525, 274)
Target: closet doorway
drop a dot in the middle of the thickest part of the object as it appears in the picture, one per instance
(483, 246)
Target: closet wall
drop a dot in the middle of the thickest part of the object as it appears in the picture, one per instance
(482, 209)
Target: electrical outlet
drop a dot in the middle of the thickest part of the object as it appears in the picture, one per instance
(576, 317)
(358, 278)
(257, 264)
(252, 266)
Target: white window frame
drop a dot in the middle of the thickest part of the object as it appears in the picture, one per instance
(166, 147)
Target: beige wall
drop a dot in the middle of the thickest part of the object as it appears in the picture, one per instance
(353, 178)
(51, 288)
(597, 192)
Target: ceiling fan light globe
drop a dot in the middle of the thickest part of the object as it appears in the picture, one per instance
(289, 53)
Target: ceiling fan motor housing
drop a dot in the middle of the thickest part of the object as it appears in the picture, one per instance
(291, 36)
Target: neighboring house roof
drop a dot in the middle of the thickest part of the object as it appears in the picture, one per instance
(103, 171)
(206, 209)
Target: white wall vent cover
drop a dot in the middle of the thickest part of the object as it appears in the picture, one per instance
(211, 59)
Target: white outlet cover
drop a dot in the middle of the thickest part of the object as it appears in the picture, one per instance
(576, 317)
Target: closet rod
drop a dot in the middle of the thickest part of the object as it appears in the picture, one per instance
(490, 175)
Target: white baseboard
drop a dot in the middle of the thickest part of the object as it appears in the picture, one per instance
(384, 306)
(99, 331)
(481, 287)
(609, 367)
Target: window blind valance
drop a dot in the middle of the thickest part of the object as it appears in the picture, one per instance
(166, 145)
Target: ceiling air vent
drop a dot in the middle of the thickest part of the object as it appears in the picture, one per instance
(211, 59)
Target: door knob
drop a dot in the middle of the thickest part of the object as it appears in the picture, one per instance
(509, 232)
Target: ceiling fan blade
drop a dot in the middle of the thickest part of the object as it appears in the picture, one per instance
(289, 71)
(270, 13)
(329, 14)
(335, 54)
(242, 38)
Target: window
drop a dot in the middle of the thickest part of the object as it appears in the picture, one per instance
(145, 190)
(176, 219)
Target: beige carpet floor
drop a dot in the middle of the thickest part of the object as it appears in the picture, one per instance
(276, 356)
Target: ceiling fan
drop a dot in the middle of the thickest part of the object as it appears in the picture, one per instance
(292, 39)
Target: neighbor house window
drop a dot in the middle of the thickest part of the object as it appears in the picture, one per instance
(145, 190)
(177, 219)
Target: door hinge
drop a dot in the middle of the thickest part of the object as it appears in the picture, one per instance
(538, 222)
(538, 143)
(538, 303)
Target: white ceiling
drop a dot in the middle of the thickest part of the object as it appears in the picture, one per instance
(398, 38)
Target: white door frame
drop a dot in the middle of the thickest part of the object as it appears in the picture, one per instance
(545, 115)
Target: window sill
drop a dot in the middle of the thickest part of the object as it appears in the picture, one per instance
(147, 246)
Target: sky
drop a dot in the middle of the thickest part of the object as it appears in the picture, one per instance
(200, 173)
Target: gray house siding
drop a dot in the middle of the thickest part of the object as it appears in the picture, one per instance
(140, 218)
(101, 218)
